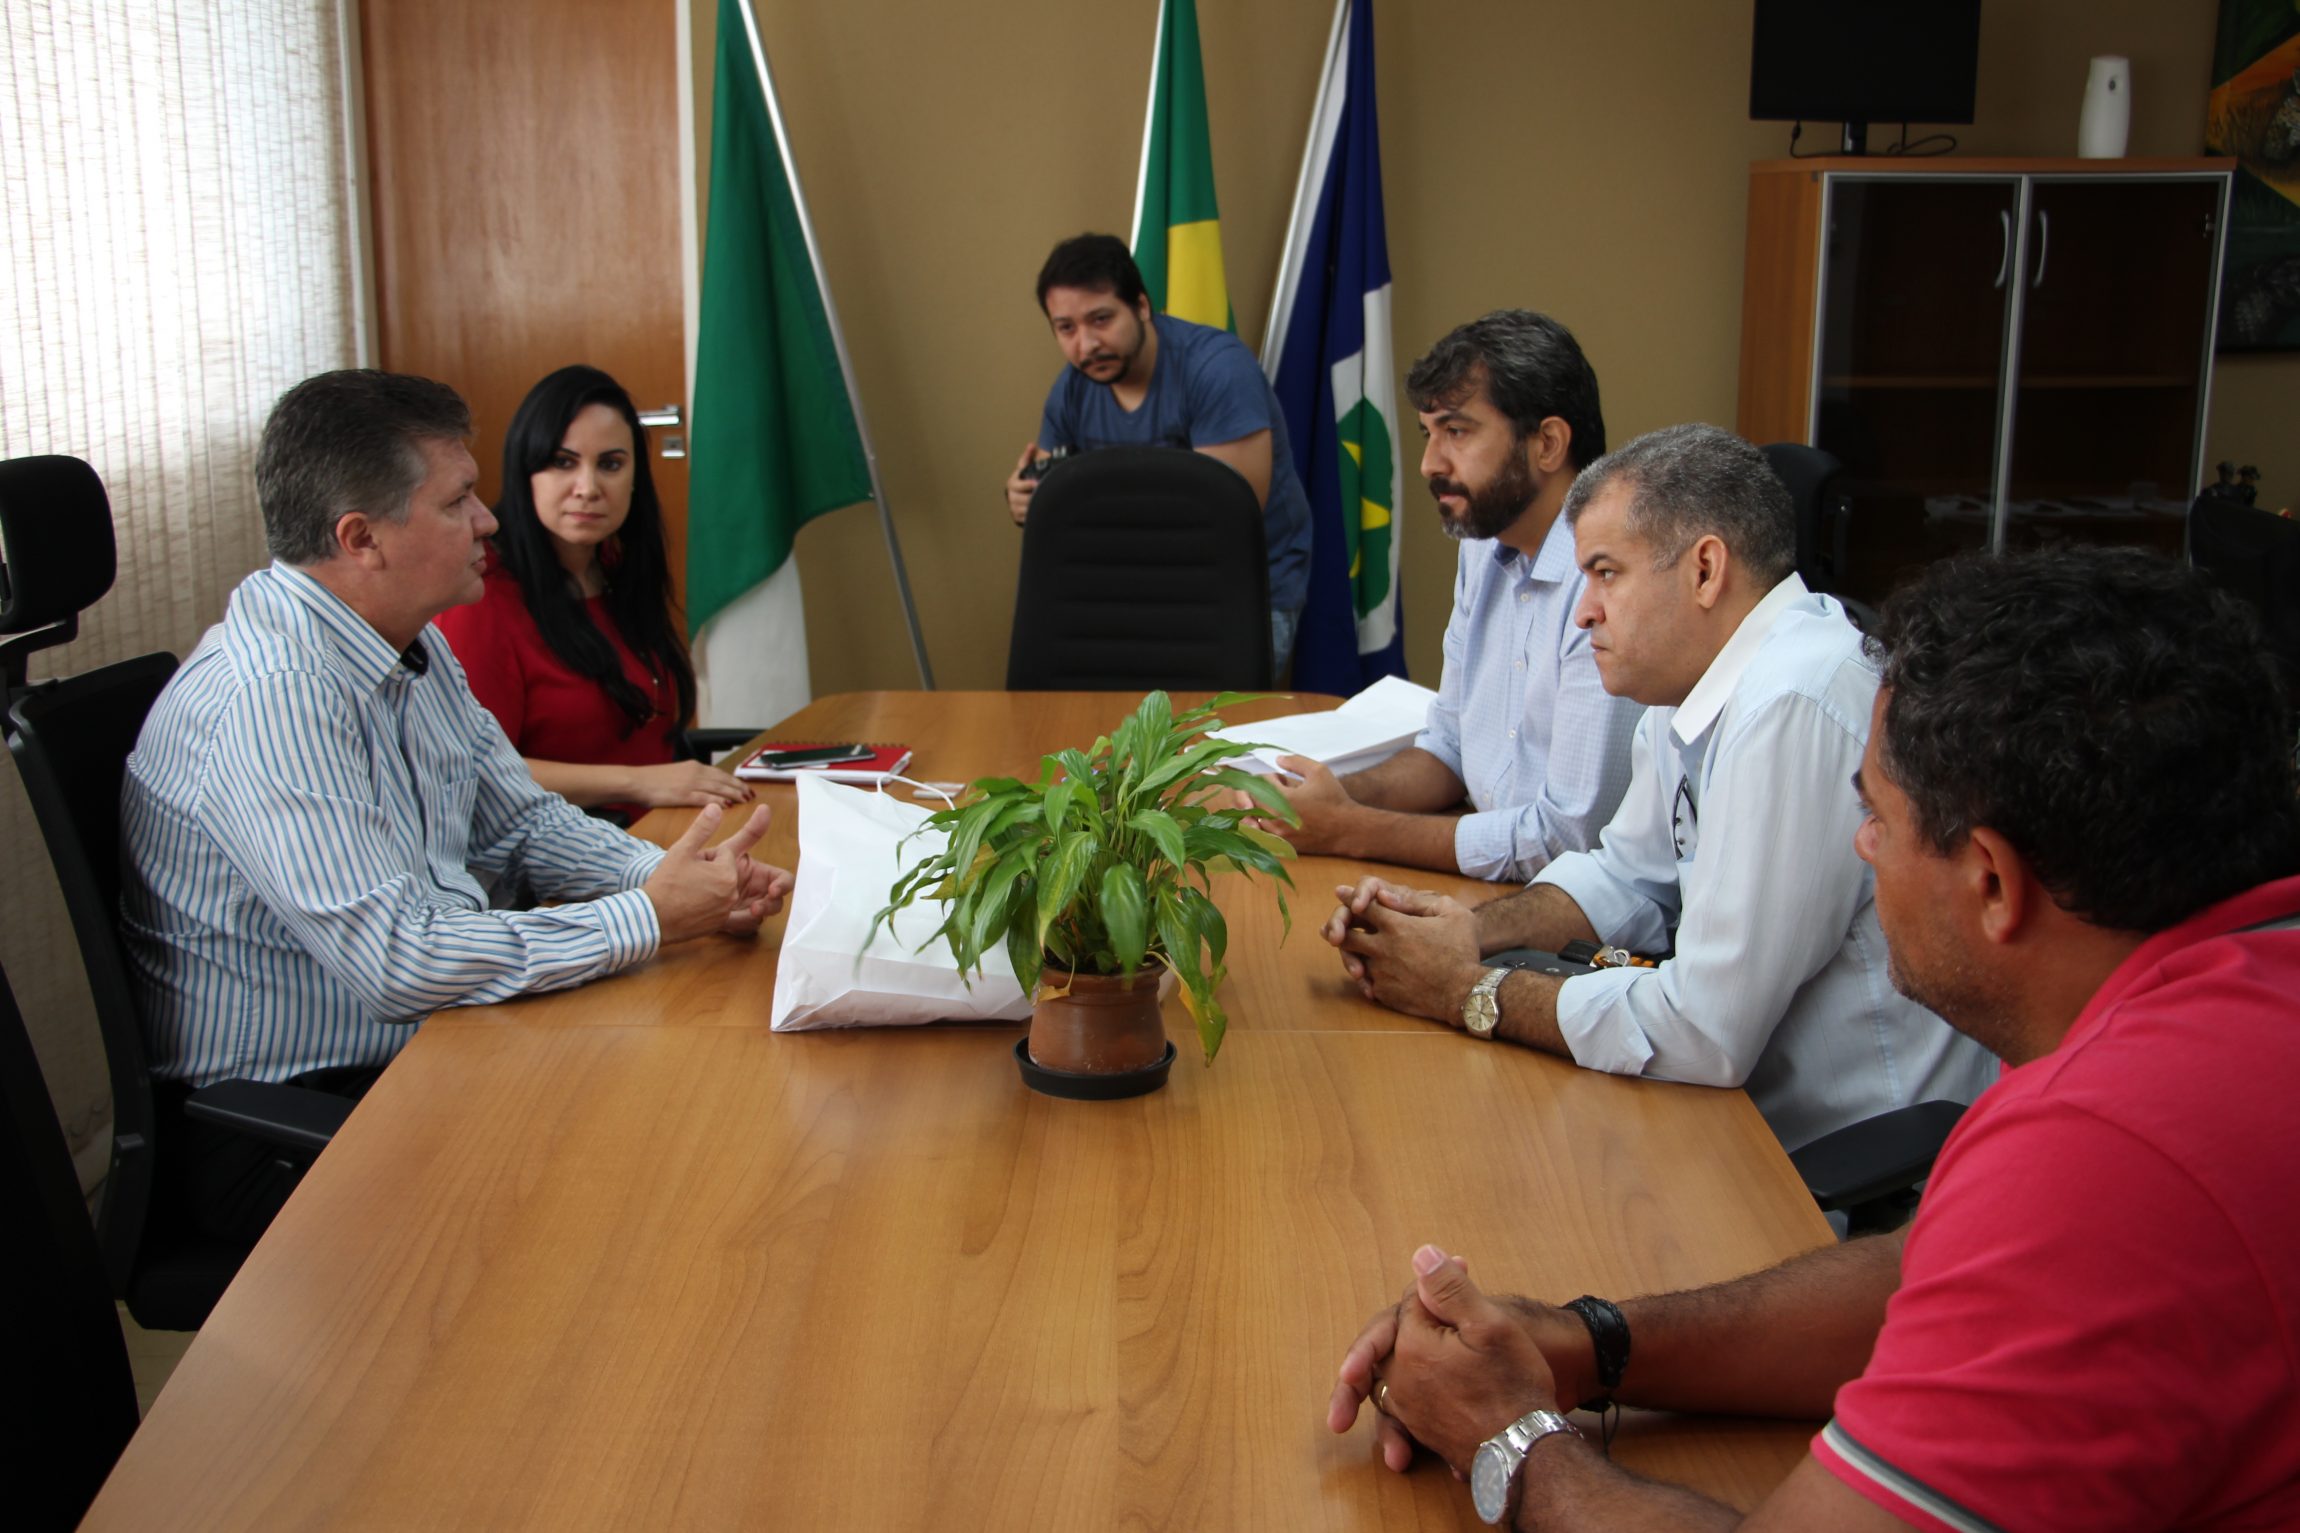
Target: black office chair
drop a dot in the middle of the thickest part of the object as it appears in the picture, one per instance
(1871, 1171)
(1142, 567)
(1823, 513)
(2255, 556)
(71, 738)
(71, 1399)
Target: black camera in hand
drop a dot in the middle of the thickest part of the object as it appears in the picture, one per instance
(1036, 468)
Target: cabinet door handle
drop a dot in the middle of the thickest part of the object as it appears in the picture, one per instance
(2004, 257)
(2043, 245)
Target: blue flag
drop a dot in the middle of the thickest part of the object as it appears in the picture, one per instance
(1328, 356)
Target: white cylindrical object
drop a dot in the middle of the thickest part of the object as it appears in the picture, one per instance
(2106, 122)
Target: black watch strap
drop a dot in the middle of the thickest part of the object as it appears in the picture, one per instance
(1609, 1335)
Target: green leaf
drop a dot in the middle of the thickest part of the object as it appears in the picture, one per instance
(1057, 809)
(1164, 832)
(1153, 719)
(991, 913)
(1178, 936)
(1261, 790)
(1125, 915)
(1206, 920)
(1060, 876)
(1026, 953)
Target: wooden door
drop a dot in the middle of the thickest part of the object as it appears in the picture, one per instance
(524, 162)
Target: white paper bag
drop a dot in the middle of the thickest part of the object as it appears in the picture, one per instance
(851, 851)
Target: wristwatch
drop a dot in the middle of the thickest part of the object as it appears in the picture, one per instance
(1495, 1467)
(1482, 1010)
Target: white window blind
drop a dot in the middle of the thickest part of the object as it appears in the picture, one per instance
(177, 238)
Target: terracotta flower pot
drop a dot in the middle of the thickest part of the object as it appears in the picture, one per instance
(1104, 1025)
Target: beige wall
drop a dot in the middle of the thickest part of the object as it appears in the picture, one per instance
(1586, 159)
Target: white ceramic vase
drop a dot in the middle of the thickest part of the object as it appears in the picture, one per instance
(2106, 122)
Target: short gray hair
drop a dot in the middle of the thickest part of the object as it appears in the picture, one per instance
(347, 441)
(1686, 482)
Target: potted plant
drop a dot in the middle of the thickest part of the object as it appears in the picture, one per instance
(1095, 879)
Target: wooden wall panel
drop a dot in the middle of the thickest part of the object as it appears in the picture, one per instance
(524, 172)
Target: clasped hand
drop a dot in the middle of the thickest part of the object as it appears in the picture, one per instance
(1459, 1365)
(699, 888)
(1409, 949)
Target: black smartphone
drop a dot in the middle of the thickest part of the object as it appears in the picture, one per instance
(814, 755)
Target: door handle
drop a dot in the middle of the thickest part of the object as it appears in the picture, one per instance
(668, 415)
(2043, 245)
(2004, 257)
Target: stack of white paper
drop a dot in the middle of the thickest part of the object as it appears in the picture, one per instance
(1371, 727)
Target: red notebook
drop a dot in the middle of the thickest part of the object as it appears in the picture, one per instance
(883, 762)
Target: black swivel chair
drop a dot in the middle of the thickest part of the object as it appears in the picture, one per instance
(71, 739)
(70, 1403)
(1823, 513)
(1142, 567)
(2255, 557)
(1870, 1171)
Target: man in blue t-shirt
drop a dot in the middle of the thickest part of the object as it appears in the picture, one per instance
(1138, 379)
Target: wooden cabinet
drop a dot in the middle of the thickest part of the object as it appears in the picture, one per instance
(2003, 353)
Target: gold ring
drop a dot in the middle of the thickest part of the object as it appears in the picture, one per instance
(1382, 1396)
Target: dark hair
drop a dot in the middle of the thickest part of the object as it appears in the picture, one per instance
(639, 572)
(1689, 481)
(343, 442)
(2107, 712)
(1532, 368)
(1094, 262)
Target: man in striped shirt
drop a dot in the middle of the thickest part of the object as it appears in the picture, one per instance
(317, 808)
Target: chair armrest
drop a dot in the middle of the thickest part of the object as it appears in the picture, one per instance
(711, 744)
(1875, 1157)
(294, 1117)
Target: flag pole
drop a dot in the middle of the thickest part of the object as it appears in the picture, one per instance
(838, 343)
(1289, 254)
(1149, 117)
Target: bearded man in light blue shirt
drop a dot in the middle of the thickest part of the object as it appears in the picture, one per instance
(1523, 727)
(1734, 841)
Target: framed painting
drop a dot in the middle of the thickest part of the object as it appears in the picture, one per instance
(2253, 114)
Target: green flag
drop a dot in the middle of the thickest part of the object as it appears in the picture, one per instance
(773, 438)
(1177, 228)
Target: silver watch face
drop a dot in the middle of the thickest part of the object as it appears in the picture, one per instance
(1489, 1474)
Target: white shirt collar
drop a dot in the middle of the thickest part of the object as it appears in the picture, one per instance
(1707, 699)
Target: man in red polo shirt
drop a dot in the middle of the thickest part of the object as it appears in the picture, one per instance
(2085, 824)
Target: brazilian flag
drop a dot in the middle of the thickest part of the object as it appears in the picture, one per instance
(1177, 228)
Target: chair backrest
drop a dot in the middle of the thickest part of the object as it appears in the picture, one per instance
(71, 739)
(1142, 567)
(70, 1404)
(2255, 556)
(57, 556)
(1811, 476)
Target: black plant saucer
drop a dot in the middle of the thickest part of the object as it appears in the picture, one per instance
(1082, 1087)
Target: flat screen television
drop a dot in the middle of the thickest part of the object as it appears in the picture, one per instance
(1864, 61)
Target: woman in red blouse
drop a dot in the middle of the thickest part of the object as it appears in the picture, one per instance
(573, 646)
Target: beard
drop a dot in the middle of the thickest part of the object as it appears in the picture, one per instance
(1125, 358)
(1493, 506)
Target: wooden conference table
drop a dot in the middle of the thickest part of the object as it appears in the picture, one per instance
(623, 1258)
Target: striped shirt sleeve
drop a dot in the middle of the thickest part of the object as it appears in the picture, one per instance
(289, 797)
